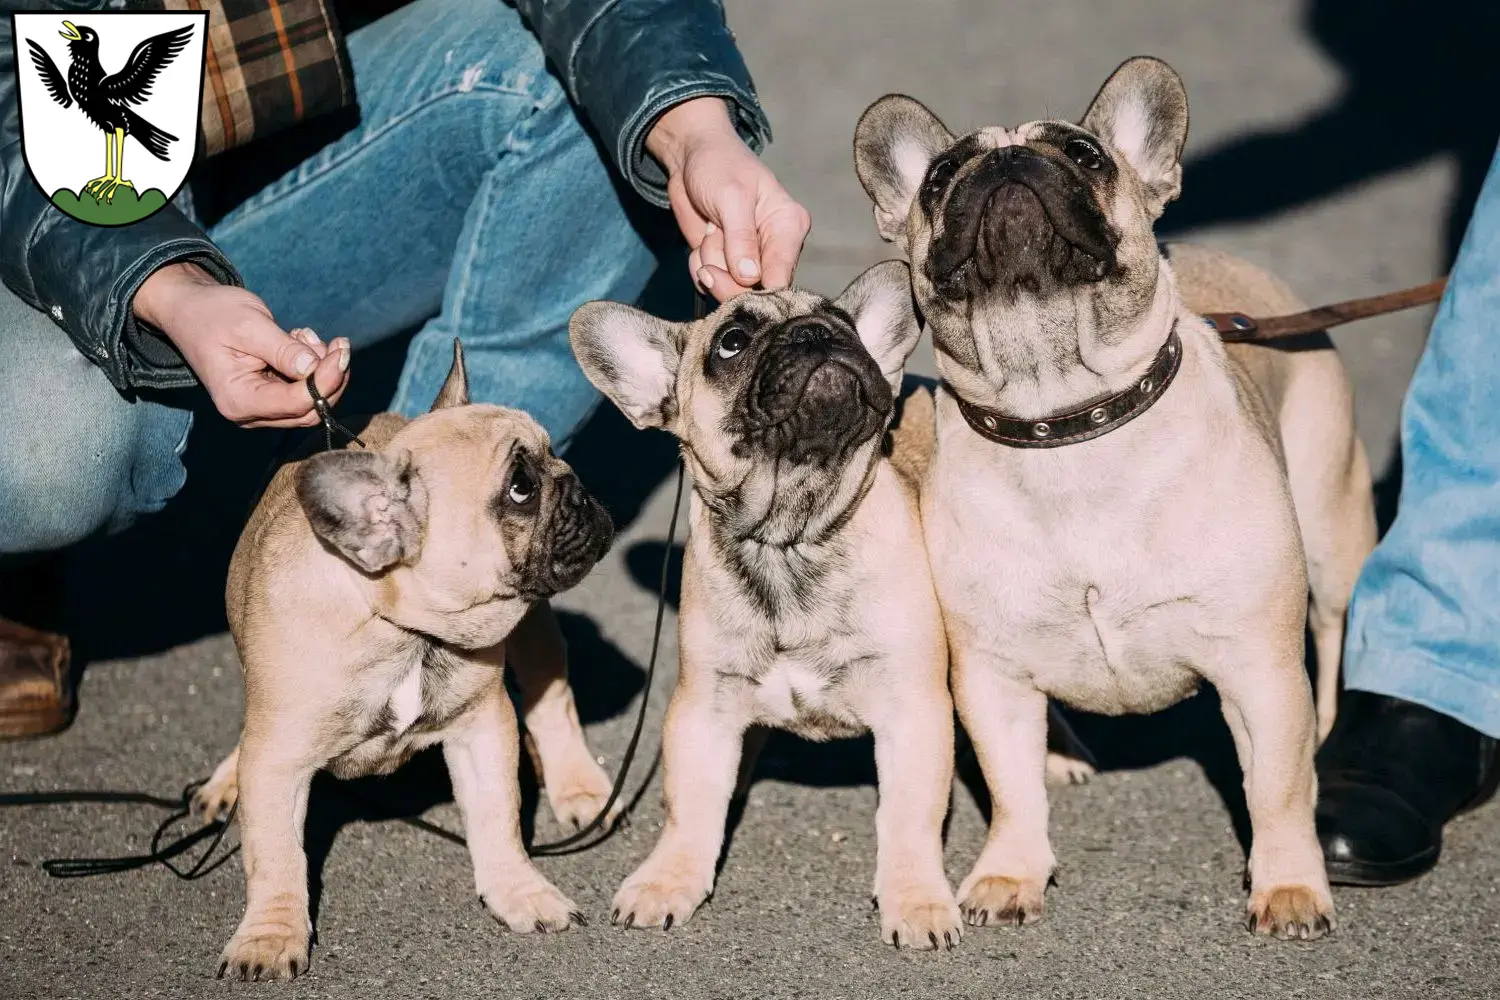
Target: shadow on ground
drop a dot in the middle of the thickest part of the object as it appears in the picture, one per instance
(1418, 82)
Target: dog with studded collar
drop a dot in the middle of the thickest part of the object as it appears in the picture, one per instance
(1119, 506)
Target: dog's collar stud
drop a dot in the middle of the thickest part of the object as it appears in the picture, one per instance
(1089, 421)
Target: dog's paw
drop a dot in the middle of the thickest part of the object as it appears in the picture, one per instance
(577, 795)
(216, 797)
(272, 945)
(660, 895)
(918, 918)
(530, 904)
(1000, 899)
(1065, 770)
(1290, 912)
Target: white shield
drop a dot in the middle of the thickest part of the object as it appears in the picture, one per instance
(109, 108)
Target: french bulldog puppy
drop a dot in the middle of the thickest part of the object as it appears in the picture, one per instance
(806, 600)
(375, 596)
(1119, 506)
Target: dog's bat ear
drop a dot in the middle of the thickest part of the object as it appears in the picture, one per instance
(370, 506)
(880, 301)
(455, 390)
(631, 357)
(1142, 111)
(895, 142)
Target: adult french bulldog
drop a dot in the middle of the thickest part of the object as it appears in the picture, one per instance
(1119, 506)
(806, 599)
(375, 596)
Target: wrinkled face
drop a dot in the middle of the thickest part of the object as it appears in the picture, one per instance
(1022, 240)
(466, 511)
(779, 398)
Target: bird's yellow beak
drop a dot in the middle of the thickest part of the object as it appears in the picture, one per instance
(71, 34)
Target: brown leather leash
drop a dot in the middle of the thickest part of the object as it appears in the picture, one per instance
(1099, 416)
(1237, 327)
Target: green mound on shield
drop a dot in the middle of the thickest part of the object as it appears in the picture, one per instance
(124, 209)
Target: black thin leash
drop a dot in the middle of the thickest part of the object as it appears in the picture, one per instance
(325, 413)
(567, 844)
(215, 829)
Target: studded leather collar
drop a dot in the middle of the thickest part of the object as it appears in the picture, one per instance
(1089, 421)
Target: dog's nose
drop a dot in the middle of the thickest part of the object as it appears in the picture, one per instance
(808, 330)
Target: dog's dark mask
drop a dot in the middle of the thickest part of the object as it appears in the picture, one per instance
(1022, 218)
(804, 391)
(561, 528)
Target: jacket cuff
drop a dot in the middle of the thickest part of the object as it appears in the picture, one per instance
(646, 174)
(147, 359)
(100, 320)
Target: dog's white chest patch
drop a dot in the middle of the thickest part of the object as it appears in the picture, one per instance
(787, 689)
(799, 699)
(406, 700)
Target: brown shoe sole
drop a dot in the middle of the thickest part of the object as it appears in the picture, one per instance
(43, 720)
(39, 698)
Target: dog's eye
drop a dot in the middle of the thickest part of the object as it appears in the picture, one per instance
(1085, 154)
(731, 342)
(522, 486)
(938, 177)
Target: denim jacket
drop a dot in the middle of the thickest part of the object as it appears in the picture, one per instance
(624, 62)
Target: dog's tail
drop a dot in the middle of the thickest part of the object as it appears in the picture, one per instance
(914, 437)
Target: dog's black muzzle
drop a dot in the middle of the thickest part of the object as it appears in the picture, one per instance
(815, 394)
(1021, 220)
(575, 537)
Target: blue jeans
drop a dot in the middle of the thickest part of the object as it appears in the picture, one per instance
(468, 200)
(1425, 621)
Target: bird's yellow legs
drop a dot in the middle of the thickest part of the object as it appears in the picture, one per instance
(93, 186)
(114, 165)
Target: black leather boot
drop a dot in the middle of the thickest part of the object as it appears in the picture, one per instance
(1390, 775)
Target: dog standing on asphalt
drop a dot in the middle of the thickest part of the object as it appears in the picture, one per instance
(806, 599)
(375, 597)
(1119, 506)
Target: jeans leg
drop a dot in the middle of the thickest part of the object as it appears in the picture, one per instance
(546, 233)
(469, 198)
(1424, 624)
(76, 456)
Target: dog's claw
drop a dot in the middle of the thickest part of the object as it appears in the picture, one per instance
(614, 918)
(539, 927)
(947, 940)
(896, 939)
(578, 918)
(223, 967)
(666, 924)
(629, 920)
(932, 936)
(296, 969)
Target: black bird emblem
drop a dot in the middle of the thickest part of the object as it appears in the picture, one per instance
(107, 100)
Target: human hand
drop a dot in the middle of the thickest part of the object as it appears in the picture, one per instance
(254, 372)
(744, 229)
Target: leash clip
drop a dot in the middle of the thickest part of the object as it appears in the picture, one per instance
(325, 413)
